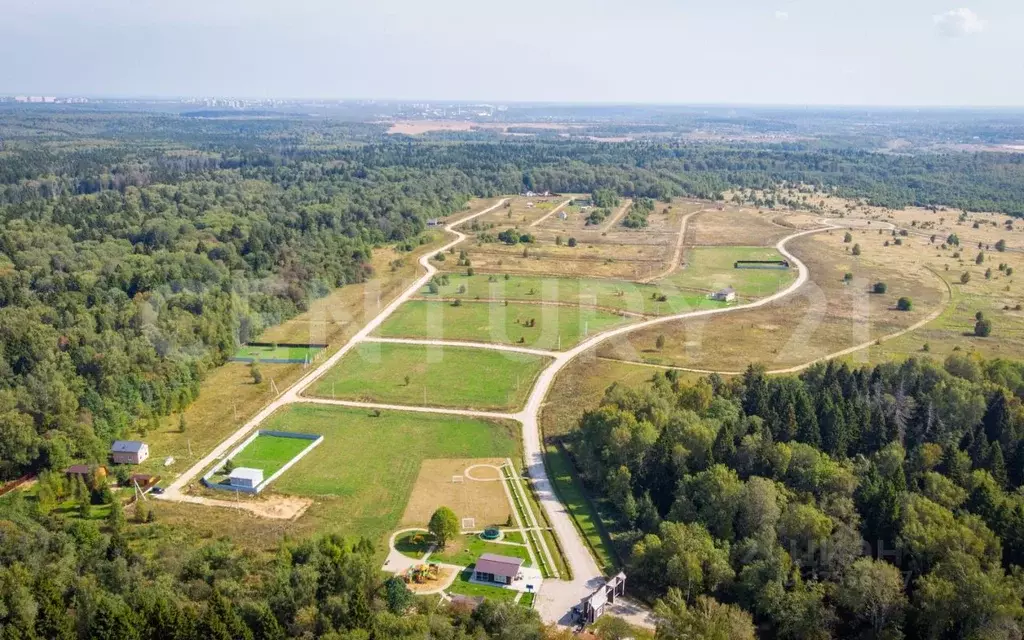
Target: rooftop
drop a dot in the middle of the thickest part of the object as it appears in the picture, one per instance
(127, 446)
(246, 473)
(498, 565)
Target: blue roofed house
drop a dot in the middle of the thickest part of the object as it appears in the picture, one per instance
(129, 451)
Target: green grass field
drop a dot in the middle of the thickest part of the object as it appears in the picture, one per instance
(264, 354)
(269, 453)
(711, 268)
(554, 326)
(438, 376)
(611, 294)
(362, 474)
(468, 548)
(570, 491)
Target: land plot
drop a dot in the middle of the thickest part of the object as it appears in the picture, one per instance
(437, 376)
(276, 353)
(539, 326)
(479, 494)
(362, 475)
(518, 212)
(824, 316)
(270, 453)
(614, 295)
(713, 268)
(733, 226)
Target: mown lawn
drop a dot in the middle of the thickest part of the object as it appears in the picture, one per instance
(463, 586)
(571, 493)
(530, 325)
(269, 453)
(275, 353)
(661, 298)
(465, 550)
(712, 268)
(360, 477)
(435, 376)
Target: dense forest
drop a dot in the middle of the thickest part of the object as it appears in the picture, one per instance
(878, 502)
(68, 579)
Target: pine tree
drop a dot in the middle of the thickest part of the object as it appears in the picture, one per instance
(997, 464)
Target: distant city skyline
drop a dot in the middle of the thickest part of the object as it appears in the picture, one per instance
(913, 53)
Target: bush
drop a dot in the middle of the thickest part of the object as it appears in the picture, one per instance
(856, 250)
(965, 277)
(879, 287)
(1001, 245)
(904, 304)
(983, 328)
(848, 237)
(572, 242)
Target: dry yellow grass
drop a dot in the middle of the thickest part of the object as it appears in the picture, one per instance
(733, 225)
(824, 316)
(479, 496)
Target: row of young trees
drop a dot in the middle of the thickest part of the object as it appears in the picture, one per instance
(873, 502)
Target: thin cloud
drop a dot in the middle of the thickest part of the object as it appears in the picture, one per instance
(782, 15)
(957, 23)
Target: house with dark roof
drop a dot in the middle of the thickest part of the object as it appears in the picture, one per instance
(491, 567)
(129, 451)
(727, 294)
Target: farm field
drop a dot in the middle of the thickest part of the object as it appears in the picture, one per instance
(437, 376)
(269, 453)
(524, 324)
(619, 295)
(363, 473)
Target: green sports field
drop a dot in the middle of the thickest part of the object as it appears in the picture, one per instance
(362, 474)
(553, 326)
(269, 453)
(437, 376)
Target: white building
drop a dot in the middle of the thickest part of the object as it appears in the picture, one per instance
(727, 294)
(129, 451)
(245, 477)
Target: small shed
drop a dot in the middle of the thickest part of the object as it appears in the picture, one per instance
(129, 451)
(491, 567)
(245, 477)
(727, 294)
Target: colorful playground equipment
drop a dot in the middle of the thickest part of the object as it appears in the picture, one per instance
(422, 573)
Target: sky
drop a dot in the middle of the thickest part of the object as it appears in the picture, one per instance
(790, 52)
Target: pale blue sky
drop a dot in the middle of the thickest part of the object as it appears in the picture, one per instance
(888, 52)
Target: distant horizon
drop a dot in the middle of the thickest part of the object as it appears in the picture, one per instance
(507, 102)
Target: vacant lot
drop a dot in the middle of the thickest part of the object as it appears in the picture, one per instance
(436, 376)
(826, 315)
(484, 500)
(532, 325)
(363, 473)
(588, 292)
(733, 226)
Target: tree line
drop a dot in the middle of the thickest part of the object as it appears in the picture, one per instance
(844, 502)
